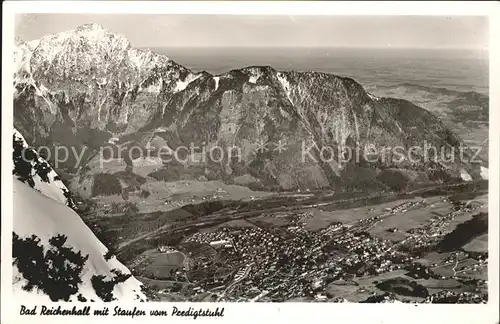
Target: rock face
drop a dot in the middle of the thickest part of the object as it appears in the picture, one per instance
(286, 130)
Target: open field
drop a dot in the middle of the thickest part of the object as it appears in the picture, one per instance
(169, 196)
(163, 264)
(150, 194)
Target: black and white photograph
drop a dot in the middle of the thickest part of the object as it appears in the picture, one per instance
(236, 158)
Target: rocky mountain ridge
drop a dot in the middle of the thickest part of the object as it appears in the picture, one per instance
(90, 83)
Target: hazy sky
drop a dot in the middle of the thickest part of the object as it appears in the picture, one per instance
(272, 31)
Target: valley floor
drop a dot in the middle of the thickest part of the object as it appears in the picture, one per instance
(429, 246)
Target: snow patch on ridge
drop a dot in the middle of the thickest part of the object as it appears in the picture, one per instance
(155, 87)
(253, 78)
(148, 161)
(41, 90)
(22, 56)
(255, 74)
(102, 81)
(285, 84)
(142, 58)
(373, 97)
(216, 79)
(484, 173)
(181, 85)
(113, 140)
(397, 125)
(465, 176)
(33, 44)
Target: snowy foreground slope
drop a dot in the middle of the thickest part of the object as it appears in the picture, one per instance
(34, 213)
(42, 207)
(34, 170)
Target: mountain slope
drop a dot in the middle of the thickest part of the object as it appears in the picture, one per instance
(46, 229)
(83, 87)
(32, 169)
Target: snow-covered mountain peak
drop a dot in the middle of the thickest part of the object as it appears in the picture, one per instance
(144, 59)
(88, 54)
(88, 48)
